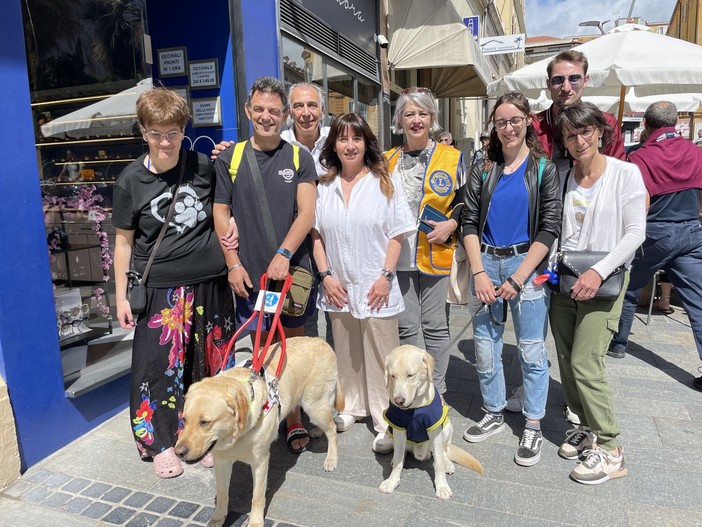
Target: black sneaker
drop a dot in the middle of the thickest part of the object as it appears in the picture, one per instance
(616, 353)
(488, 426)
(529, 451)
(697, 384)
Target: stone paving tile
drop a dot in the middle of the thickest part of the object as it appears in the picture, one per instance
(204, 514)
(96, 490)
(36, 495)
(76, 505)
(116, 494)
(160, 504)
(138, 499)
(663, 517)
(169, 522)
(38, 476)
(76, 485)
(96, 510)
(143, 519)
(679, 433)
(183, 509)
(56, 500)
(119, 515)
(57, 480)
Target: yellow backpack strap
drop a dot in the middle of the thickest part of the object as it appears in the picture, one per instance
(296, 156)
(236, 159)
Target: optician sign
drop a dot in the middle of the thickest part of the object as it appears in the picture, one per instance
(473, 25)
(206, 112)
(502, 44)
(203, 74)
(171, 62)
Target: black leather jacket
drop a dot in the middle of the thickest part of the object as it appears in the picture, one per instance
(545, 207)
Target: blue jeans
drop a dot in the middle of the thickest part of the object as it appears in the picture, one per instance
(530, 318)
(677, 249)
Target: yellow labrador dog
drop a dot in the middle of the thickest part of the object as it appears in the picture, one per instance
(418, 421)
(226, 414)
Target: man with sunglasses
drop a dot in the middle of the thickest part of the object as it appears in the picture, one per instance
(567, 77)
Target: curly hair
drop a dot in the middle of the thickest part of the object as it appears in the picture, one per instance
(494, 150)
(373, 158)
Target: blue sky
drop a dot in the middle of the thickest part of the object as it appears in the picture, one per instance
(560, 18)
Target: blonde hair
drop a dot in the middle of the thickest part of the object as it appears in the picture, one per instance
(162, 106)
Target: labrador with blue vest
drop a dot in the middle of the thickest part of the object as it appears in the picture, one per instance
(235, 415)
(418, 421)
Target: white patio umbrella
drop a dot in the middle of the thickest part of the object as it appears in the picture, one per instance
(654, 64)
(114, 115)
(684, 102)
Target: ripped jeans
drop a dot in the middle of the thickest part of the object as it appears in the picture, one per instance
(530, 317)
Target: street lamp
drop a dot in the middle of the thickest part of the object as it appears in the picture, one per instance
(594, 23)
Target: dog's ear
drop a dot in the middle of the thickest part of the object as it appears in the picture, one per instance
(238, 404)
(428, 364)
(387, 372)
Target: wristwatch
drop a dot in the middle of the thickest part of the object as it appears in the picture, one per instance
(321, 276)
(285, 252)
(388, 274)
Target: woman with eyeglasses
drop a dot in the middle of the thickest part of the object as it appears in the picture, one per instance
(604, 209)
(189, 306)
(510, 220)
(431, 174)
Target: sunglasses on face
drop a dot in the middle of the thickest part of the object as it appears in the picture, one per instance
(444, 140)
(574, 80)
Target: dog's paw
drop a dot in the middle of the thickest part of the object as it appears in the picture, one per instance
(316, 432)
(388, 486)
(450, 468)
(443, 492)
(330, 464)
(216, 522)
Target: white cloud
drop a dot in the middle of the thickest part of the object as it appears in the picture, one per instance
(560, 18)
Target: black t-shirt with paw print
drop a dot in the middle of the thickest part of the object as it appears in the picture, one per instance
(189, 252)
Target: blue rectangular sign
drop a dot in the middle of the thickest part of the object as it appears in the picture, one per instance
(473, 24)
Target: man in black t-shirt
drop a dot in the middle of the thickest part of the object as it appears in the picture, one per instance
(289, 177)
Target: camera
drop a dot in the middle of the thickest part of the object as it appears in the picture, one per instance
(382, 41)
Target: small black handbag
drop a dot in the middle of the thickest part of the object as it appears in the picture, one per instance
(571, 264)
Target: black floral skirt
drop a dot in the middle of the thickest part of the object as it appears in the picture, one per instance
(179, 339)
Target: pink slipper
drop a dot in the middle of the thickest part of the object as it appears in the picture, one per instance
(207, 461)
(167, 464)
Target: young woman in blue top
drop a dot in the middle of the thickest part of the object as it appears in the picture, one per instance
(510, 220)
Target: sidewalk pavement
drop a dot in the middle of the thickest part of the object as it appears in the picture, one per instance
(98, 480)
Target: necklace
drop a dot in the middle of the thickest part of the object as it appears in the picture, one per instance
(412, 179)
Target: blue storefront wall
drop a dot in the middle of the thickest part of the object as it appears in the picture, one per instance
(30, 360)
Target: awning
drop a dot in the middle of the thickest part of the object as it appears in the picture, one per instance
(430, 36)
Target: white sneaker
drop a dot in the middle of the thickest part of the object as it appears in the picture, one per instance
(516, 402)
(572, 417)
(343, 422)
(382, 444)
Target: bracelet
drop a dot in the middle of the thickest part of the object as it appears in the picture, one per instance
(235, 266)
(479, 272)
(514, 284)
(521, 284)
(285, 252)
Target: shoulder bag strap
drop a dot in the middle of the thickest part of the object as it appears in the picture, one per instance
(167, 220)
(262, 200)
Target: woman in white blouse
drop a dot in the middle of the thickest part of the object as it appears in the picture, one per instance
(604, 209)
(362, 217)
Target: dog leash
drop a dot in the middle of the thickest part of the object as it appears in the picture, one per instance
(259, 356)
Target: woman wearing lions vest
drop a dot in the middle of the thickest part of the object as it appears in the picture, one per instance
(431, 174)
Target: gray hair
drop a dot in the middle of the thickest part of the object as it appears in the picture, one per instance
(269, 85)
(423, 98)
(660, 114)
(316, 88)
(446, 134)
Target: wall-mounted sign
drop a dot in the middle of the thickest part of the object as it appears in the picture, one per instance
(203, 74)
(502, 44)
(182, 91)
(172, 62)
(206, 112)
(473, 25)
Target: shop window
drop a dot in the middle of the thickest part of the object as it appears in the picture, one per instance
(86, 68)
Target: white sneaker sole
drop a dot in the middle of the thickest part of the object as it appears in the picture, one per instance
(483, 437)
(527, 462)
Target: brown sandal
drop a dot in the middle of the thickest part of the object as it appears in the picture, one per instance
(663, 305)
(167, 464)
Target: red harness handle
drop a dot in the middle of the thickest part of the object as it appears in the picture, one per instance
(260, 356)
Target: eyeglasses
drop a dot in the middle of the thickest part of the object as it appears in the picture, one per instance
(585, 133)
(157, 137)
(417, 89)
(516, 122)
(574, 80)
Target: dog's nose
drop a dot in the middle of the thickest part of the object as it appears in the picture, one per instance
(181, 451)
(399, 401)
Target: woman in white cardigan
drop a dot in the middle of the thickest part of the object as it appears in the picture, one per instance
(604, 209)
